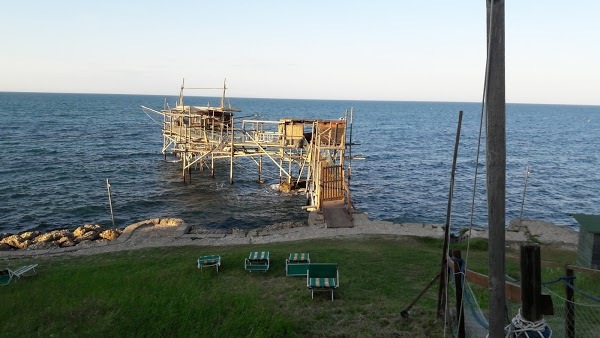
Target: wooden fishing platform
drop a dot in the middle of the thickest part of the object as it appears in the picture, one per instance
(309, 153)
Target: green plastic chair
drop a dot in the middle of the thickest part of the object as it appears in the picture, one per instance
(209, 261)
(322, 277)
(257, 261)
(297, 264)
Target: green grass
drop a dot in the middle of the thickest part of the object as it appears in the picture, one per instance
(160, 292)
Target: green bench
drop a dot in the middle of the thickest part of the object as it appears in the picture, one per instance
(322, 277)
(208, 261)
(297, 264)
(257, 261)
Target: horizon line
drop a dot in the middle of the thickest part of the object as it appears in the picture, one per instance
(289, 98)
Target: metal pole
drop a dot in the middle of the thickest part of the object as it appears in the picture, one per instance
(444, 266)
(496, 165)
(110, 203)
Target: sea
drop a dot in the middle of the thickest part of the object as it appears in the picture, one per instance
(58, 150)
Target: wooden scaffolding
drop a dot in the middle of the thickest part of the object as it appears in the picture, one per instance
(309, 153)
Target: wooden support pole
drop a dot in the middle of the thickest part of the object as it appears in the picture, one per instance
(183, 160)
(212, 165)
(259, 168)
(232, 153)
(569, 305)
(496, 164)
(444, 266)
(531, 283)
(458, 282)
(290, 168)
(280, 166)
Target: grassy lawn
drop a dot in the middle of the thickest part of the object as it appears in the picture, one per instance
(160, 292)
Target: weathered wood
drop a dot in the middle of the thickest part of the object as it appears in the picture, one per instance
(569, 306)
(444, 265)
(531, 283)
(496, 163)
(195, 132)
(513, 291)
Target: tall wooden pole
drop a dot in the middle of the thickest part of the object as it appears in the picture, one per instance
(444, 266)
(531, 283)
(569, 306)
(496, 164)
(232, 152)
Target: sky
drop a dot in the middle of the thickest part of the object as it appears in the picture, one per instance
(348, 50)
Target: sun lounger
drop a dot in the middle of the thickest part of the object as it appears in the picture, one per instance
(257, 261)
(7, 275)
(297, 264)
(208, 261)
(322, 277)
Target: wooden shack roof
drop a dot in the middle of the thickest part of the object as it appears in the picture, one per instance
(589, 223)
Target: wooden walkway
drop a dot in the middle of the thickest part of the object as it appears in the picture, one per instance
(336, 215)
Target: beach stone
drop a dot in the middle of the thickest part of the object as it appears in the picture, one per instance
(80, 231)
(169, 222)
(88, 236)
(19, 244)
(14, 241)
(5, 247)
(29, 235)
(52, 236)
(110, 234)
(65, 242)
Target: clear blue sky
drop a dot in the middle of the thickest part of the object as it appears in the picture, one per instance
(366, 50)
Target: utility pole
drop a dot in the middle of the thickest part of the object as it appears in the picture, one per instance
(495, 101)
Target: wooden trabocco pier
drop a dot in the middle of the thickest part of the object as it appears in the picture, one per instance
(309, 153)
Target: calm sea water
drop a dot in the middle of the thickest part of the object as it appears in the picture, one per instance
(57, 150)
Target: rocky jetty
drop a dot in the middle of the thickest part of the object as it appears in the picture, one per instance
(35, 240)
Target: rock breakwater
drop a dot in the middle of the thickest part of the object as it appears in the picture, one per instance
(35, 240)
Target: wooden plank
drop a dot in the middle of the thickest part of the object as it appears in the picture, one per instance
(513, 291)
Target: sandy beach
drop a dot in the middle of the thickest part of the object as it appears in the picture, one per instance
(168, 232)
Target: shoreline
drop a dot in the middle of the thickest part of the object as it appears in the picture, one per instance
(171, 232)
